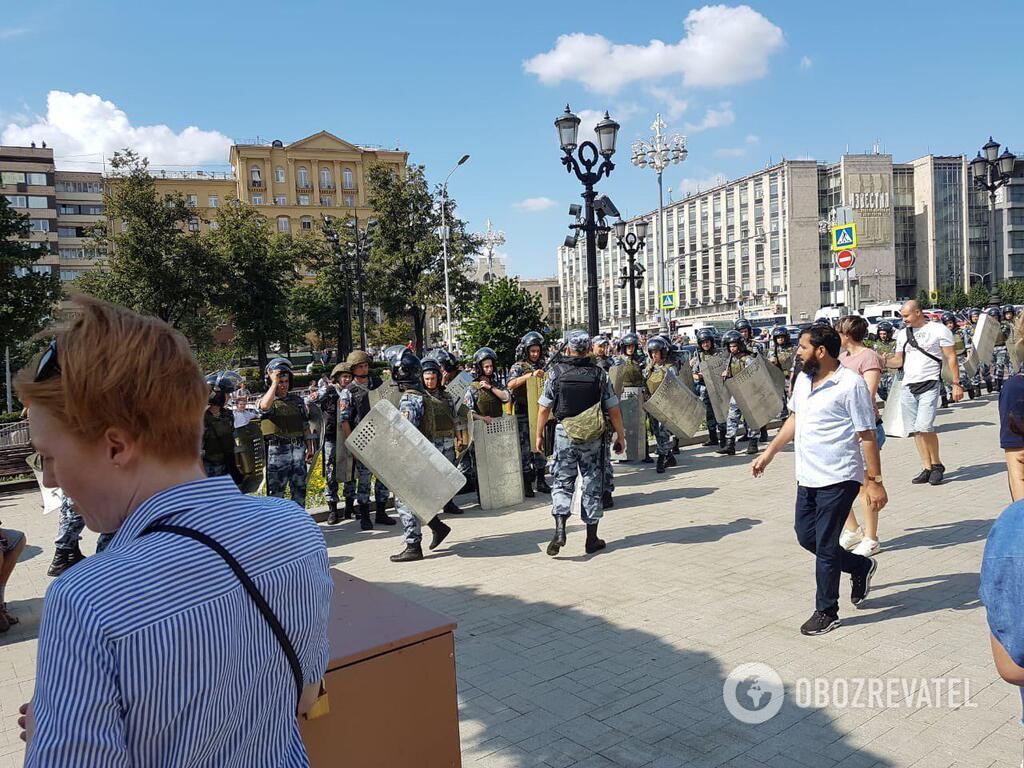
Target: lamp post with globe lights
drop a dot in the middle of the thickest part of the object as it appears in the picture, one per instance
(631, 243)
(991, 170)
(659, 152)
(582, 163)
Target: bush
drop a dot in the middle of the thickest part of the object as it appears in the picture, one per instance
(10, 417)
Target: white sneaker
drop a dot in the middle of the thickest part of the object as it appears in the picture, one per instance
(866, 548)
(849, 539)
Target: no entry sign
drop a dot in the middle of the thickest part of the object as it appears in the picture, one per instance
(845, 259)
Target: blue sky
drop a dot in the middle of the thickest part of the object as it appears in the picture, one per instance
(746, 84)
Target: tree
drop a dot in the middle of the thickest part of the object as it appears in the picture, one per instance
(504, 312)
(316, 314)
(257, 272)
(156, 264)
(405, 272)
(978, 295)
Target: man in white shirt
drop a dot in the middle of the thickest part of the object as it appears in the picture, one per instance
(832, 420)
(920, 348)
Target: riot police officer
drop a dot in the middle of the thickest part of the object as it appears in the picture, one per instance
(605, 361)
(948, 319)
(632, 359)
(984, 372)
(485, 395)
(1009, 328)
(1000, 356)
(448, 362)
(579, 396)
(885, 346)
(433, 417)
(739, 358)
(658, 367)
(529, 365)
(706, 349)
(219, 426)
(602, 359)
(326, 398)
(442, 429)
(353, 406)
(780, 354)
(285, 425)
(754, 348)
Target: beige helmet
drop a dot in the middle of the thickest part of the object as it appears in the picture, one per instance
(340, 368)
(357, 357)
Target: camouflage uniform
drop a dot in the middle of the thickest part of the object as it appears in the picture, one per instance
(984, 371)
(286, 447)
(482, 403)
(653, 376)
(571, 459)
(70, 526)
(961, 357)
(533, 464)
(1000, 354)
(782, 358)
(606, 363)
(218, 443)
(327, 399)
(714, 428)
(358, 487)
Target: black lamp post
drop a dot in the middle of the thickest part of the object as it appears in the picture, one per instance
(990, 171)
(631, 243)
(360, 244)
(582, 164)
(345, 318)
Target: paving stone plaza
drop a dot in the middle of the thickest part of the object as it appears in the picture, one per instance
(619, 659)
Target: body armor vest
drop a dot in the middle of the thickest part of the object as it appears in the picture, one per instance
(633, 375)
(577, 387)
(287, 420)
(782, 358)
(218, 437)
(438, 421)
(519, 401)
(655, 375)
(487, 404)
(737, 363)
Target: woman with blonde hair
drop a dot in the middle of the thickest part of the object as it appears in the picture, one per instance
(201, 630)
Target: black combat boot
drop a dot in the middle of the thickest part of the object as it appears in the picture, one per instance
(721, 437)
(729, 449)
(365, 523)
(675, 446)
(528, 485)
(712, 440)
(542, 484)
(988, 386)
(764, 434)
(607, 502)
(452, 508)
(438, 530)
(558, 541)
(332, 513)
(593, 544)
(409, 554)
(382, 516)
(347, 514)
(752, 446)
(670, 461)
(945, 399)
(64, 558)
(660, 469)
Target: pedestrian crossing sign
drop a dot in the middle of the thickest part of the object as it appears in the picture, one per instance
(668, 300)
(844, 237)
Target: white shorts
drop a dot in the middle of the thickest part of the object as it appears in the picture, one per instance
(919, 410)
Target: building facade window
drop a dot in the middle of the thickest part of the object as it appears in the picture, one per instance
(254, 175)
(192, 200)
(347, 179)
(80, 186)
(303, 177)
(326, 180)
(34, 201)
(283, 224)
(303, 199)
(306, 222)
(349, 201)
(280, 200)
(326, 201)
(67, 231)
(213, 201)
(279, 174)
(36, 179)
(39, 225)
(257, 199)
(193, 224)
(69, 274)
(11, 178)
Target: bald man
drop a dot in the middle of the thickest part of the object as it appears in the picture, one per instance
(920, 348)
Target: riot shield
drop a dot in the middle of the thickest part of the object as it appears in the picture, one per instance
(675, 406)
(756, 394)
(892, 414)
(343, 460)
(457, 387)
(386, 391)
(712, 368)
(685, 373)
(982, 341)
(316, 434)
(778, 377)
(53, 498)
(250, 456)
(534, 389)
(401, 457)
(498, 461)
(634, 424)
(615, 376)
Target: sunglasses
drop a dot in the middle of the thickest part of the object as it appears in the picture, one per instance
(49, 366)
(35, 462)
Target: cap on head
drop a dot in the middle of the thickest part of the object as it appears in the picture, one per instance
(578, 341)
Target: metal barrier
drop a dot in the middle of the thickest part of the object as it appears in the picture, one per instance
(14, 434)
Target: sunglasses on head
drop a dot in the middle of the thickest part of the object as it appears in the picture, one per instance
(49, 366)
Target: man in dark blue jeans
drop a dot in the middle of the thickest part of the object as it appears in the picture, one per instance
(832, 421)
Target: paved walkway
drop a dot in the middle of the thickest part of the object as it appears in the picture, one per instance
(619, 659)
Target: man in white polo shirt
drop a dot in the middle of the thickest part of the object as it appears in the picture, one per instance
(920, 347)
(832, 420)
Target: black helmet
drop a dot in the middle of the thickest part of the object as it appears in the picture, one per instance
(705, 333)
(530, 339)
(405, 366)
(994, 312)
(733, 337)
(222, 384)
(659, 343)
(278, 364)
(743, 324)
(444, 358)
(884, 326)
(484, 353)
(629, 339)
(430, 364)
(1009, 309)
(823, 321)
(973, 313)
(781, 330)
(948, 317)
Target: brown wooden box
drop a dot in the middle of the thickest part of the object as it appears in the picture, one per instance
(391, 684)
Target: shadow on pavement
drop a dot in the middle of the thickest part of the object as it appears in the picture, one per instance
(941, 536)
(951, 591)
(953, 426)
(548, 684)
(977, 471)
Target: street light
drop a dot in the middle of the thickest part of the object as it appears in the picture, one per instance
(444, 249)
(658, 153)
(631, 243)
(491, 239)
(360, 243)
(345, 318)
(989, 173)
(582, 164)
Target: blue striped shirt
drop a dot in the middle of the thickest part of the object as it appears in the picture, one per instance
(153, 654)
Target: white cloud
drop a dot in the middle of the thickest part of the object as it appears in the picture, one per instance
(676, 106)
(536, 204)
(82, 127)
(714, 118)
(752, 138)
(806, 63)
(6, 33)
(688, 185)
(730, 152)
(722, 46)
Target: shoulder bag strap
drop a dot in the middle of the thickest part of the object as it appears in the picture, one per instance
(250, 587)
(914, 343)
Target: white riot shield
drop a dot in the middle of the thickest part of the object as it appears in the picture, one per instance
(982, 342)
(892, 414)
(634, 424)
(343, 458)
(711, 369)
(316, 434)
(53, 498)
(386, 391)
(405, 460)
(615, 376)
(499, 470)
(756, 394)
(779, 377)
(685, 373)
(676, 407)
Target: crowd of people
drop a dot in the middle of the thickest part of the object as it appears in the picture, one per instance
(145, 477)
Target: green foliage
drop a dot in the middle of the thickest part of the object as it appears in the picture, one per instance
(1011, 291)
(391, 331)
(155, 265)
(405, 272)
(978, 296)
(504, 312)
(217, 357)
(27, 298)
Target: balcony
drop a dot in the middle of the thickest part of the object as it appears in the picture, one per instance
(326, 187)
(256, 184)
(303, 189)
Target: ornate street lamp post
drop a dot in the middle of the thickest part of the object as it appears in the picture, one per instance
(631, 243)
(990, 171)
